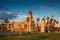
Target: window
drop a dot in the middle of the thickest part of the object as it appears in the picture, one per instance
(27, 19)
(25, 25)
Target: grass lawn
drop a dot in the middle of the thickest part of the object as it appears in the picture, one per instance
(45, 36)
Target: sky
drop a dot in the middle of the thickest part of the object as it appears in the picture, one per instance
(19, 9)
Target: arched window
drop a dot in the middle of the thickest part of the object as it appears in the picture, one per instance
(27, 19)
(25, 25)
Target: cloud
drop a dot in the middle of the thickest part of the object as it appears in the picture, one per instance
(15, 17)
(0, 12)
(20, 18)
(23, 18)
(9, 12)
(7, 15)
(46, 5)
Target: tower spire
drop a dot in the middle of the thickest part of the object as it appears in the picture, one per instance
(30, 13)
(29, 19)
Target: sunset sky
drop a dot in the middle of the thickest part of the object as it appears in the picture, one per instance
(39, 8)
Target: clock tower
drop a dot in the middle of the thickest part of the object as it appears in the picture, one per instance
(29, 20)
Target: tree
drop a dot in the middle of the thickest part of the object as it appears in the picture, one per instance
(6, 20)
(48, 24)
(48, 21)
(47, 18)
(38, 19)
(5, 24)
(54, 22)
(57, 23)
(51, 20)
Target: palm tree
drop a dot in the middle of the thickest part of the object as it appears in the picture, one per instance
(57, 23)
(38, 19)
(51, 25)
(51, 20)
(48, 25)
(54, 22)
(48, 19)
(5, 26)
(6, 20)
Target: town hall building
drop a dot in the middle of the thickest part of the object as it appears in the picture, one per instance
(28, 26)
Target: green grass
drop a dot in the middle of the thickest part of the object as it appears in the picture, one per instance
(45, 36)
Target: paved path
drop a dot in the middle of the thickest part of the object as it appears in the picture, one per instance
(11, 33)
(8, 33)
